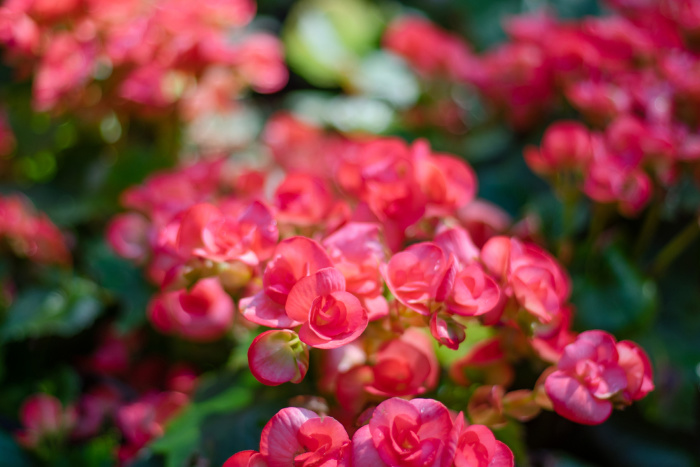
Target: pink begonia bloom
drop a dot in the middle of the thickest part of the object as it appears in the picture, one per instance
(533, 276)
(127, 234)
(297, 145)
(296, 436)
(416, 433)
(403, 369)
(18, 32)
(565, 145)
(381, 173)
(277, 356)
(165, 194)
(447, 181)
(474, 292)
(478, 447)
(331, 316)
(357, 253)
(43, 416)
(65, 67)
(146, 86)
(599, 101)
(419, 276)
(233, 232)
(590, 377)
(202, 314)
(303, 199)
(293, 259)
(260, 61)
(430, 50)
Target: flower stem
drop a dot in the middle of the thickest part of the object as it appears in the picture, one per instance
(674, 248)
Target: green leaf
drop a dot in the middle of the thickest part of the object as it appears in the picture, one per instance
(613, 295)
(183, 435)
(122, 279)
(11, 455)
(325, 39)
(64, 311)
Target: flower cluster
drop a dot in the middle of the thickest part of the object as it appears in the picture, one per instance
(630, 76)
(136, 397)
(420, 432)
(90, 53)
(30, 234)
(359, 258)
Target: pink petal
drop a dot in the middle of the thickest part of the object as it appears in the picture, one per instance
(364, 453)
(503, 456)
(306, 290)
(572, 400)
(278, 442)
(261, 310)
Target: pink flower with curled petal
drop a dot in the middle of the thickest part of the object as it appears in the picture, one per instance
(416, 433)
(233, 232)
(331, 316)
(588, 376)
(474, 292)
(418, 276)
(204, 313)
(293, 259)
(296, 436)
(478, 447)
(357, 253)
(528, 273)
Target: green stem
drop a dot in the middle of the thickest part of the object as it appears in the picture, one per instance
(674, 248)
(651, 223)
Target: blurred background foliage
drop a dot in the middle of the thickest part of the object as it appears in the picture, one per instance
(74, 170)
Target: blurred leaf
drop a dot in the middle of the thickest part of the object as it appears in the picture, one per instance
(613, 295)
(325, 39)
(64, 311)
(124, 280)
(183, 435)
(385, 76)
(11, 455)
